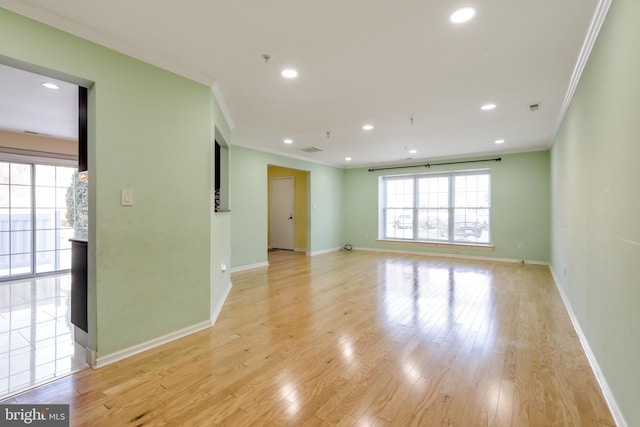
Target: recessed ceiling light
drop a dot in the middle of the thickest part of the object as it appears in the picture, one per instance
(49, 85)
(367, 127)
(348, 159)
(462, 15)
(288, 141)
(413, 151)
(499, 141)
(487, 107)
(289, 73)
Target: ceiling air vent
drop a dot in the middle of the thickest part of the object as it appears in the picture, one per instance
(311, 149)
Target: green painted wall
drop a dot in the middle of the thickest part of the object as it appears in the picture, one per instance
(151, 131)
(596, 205)
(249, 204)
(519, 200)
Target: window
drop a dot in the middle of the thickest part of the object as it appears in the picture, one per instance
(451, 207)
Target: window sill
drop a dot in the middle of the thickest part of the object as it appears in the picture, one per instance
(444, 245)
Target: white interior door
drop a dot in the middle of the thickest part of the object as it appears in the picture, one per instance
(281, 214)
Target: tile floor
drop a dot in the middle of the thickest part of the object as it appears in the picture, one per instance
(36, 334)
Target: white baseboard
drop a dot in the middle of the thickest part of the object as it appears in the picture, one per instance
(216, 312)
(136, 349)
(250, 266)
(460, 256)
(595, 367)
(324, 251)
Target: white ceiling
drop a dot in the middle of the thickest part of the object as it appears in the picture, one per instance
(27, 106)
(359, 61)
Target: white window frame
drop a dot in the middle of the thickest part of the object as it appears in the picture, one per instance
(415, 208)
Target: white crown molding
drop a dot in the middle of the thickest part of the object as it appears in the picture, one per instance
(287, 155)
(592, 35)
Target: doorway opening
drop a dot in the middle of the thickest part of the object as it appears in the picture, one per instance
(43, 205)
(288, 224)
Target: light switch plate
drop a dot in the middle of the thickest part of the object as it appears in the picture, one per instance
(126, 197)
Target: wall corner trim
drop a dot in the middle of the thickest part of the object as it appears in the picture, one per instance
(217, 94)
(602, 382)
(592, 34)
(250, 266)
(324, 251)
(216, 311)
(103, 361)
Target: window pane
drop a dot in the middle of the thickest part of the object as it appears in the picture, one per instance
(45, 197)
(45, 261)
(45, 175)
(64, 176)
(45, 219)
(21, 242)
(434, 224)
(399, 224)
(471, 191)
(5, 220)
(63, 219)
(484, 221)
(64, 259)
(433, 192)
(4, 173)
(61, 197)
(471, 225)
(21, 264)
(20, 174)
(5, 270)
(64, 235)
(20, 219)
(4, 196)
(400, 193)
(45, 240)
(5, 247)
(20, 196)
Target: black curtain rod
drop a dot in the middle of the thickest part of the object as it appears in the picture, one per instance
(428, 165)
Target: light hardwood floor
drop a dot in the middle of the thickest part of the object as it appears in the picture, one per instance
(358, 338)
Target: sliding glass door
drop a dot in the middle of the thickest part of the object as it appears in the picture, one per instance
(16, 219)
(36, 218)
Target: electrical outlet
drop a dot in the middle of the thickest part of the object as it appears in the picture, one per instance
(520, 245)
(366, 237)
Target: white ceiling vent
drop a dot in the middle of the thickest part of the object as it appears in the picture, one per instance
(311, 149)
